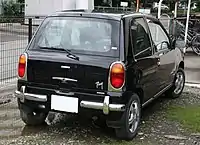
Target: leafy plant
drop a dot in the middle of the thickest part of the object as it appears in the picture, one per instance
(21, 1)
(11, 8)
(198, 6)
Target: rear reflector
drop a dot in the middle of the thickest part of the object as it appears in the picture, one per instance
(22, 66)
(117, 75)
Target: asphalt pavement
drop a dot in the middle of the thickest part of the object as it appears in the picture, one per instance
(7, 36)
(192, 67)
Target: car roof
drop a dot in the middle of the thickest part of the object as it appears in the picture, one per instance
(96, 14)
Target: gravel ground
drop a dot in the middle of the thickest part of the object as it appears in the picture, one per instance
(155, 128)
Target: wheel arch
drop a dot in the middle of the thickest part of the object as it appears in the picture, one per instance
(139, 91)
(181, 65)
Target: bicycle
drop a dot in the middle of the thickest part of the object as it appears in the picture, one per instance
(193, 40)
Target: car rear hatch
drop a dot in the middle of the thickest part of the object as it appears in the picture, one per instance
(57, 70)
(59, 40)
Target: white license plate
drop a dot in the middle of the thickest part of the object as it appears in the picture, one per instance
(65, 104)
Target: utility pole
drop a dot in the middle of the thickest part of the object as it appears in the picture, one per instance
(144, 4)
(138, 5)
(187, 23)
(159, 8)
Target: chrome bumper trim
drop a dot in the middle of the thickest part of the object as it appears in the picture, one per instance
(105, 106)
(32, 97)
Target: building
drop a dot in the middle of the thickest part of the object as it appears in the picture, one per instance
(46, 7)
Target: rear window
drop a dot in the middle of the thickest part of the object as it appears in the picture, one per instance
(79, 35)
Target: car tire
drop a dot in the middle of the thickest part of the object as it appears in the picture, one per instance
(178, 85)
(125, 132)
(32, 118)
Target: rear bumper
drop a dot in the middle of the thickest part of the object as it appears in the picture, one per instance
(32, 97)
(105, 105)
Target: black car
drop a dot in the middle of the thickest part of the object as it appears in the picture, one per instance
(108, 65)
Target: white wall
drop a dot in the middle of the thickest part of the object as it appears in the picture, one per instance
(47, 7)
(68, 4)
(85, 4)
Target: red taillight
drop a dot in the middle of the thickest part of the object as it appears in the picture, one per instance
(22, 66)
(117, 75)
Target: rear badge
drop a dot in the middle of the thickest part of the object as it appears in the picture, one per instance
(65, 67)
(114, 48)
(99, 85)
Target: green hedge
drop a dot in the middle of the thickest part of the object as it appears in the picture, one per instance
(11, 8)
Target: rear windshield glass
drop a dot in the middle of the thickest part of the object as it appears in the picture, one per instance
(79, 35)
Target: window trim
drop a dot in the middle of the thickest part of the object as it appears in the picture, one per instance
(157, 22)
(148, 33)
(165, 35)
(45, 22)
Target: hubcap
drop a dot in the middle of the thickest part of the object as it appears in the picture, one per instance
(179, 83)
(134, 114)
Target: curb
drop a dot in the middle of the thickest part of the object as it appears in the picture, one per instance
(195, 85)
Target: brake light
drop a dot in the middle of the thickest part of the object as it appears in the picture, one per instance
(117, 75)
(22, 66)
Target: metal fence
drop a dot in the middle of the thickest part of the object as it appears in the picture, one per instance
(15, 33)
(113, 9)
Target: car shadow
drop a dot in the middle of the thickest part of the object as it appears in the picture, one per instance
(156, 105)
(83, 127)
(69, 125)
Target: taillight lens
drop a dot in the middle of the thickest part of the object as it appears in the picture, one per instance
(22, 65)
(117, 75)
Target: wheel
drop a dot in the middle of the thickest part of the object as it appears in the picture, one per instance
(33, 118)
(178, 85)
(196, 44)
(130, 119)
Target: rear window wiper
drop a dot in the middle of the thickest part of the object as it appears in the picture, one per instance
(69, 53)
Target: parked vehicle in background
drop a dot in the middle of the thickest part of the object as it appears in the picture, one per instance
(163, 6)
(109, 65)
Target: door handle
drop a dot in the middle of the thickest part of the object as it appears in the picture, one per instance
(160, 54)
(158, 62)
